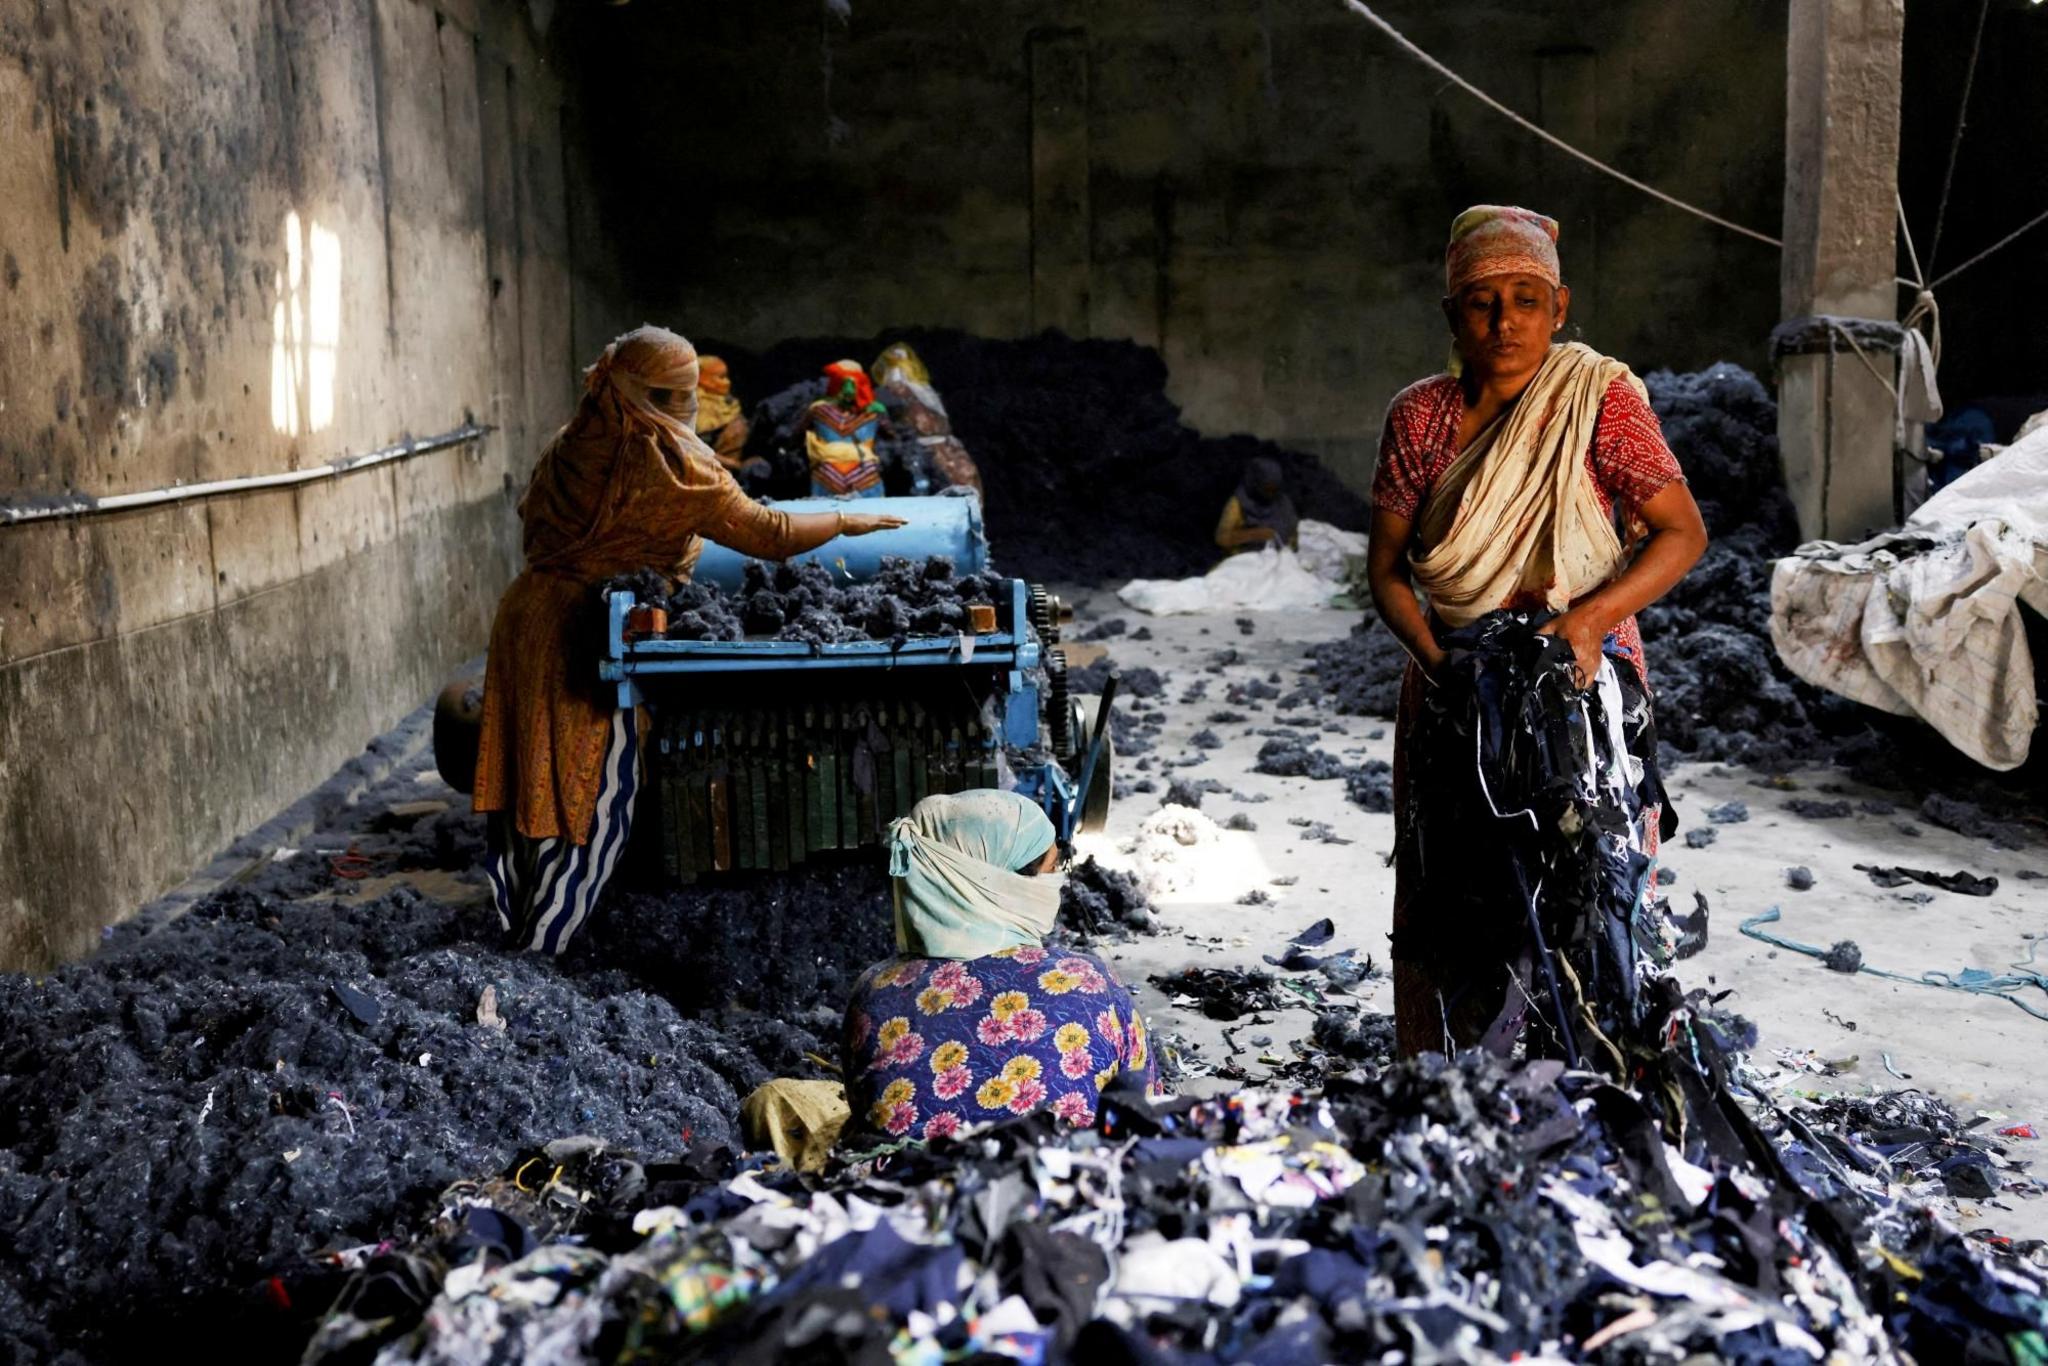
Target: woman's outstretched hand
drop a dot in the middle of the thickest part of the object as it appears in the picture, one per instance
(861, 523)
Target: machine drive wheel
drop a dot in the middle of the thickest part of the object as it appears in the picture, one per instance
(1059, 708)
(458, 726)
(1095, 801)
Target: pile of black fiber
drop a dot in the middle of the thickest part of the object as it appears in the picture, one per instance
(1070, 437)
(1102, 903)
(287, 1068)
(805, 601)
(1288, 754)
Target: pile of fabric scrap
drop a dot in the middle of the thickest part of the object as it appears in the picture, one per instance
(1443, 1210)
(1900, 1150)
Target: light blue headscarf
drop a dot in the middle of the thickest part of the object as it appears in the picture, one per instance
(953, 859)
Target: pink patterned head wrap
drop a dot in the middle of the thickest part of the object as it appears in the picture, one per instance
(1494, 239)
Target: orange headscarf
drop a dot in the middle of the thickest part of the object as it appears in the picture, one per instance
(618, 384)
(840, 371)
(574, 499)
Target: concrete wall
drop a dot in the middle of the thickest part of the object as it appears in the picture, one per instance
(1259, 189)
(240, 236)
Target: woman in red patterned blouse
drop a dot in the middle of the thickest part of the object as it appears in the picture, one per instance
(1537, 534)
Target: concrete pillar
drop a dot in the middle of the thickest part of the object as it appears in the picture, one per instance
(1835, 418)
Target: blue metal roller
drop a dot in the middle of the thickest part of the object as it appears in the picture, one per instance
(949, 526)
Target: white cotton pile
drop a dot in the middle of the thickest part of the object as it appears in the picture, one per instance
(1325, 548)
(1269, 580)
(1165, 854)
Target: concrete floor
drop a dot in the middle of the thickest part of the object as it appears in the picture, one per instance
(1980, 1054)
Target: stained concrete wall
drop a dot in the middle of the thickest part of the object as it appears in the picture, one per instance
(1260, 190)
(241, 236)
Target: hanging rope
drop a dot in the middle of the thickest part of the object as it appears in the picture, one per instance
(1924, 308)
(1955, 145)
(1399, 39)
(2036, 221)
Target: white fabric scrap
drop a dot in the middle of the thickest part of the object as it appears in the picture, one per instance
(1269, 580)
(1154, 1276)
(1170, 849)
(1325, 548)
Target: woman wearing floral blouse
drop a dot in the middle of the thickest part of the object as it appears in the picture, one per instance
(975, 1019)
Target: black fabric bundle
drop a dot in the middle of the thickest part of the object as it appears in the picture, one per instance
(1522, 839)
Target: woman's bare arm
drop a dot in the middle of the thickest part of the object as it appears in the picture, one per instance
(1677, 539)
(816, 528)
(1386, 570)
(769, 533)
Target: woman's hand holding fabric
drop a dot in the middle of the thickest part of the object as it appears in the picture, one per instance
(1444, 665)
(1585, 636)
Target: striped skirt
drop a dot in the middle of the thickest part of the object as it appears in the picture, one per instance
(546, 889)
(843, 481)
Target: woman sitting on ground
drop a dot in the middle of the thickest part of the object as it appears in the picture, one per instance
(1259, 513)
(975, 1020)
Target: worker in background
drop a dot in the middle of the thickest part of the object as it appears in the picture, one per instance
(626, 485)
(1499, 486)
(974, 1019)
(1260, 513)
(722, 426)
(840, 432)
(719, 423)
(905, 385)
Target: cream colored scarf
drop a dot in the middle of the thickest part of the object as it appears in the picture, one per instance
(1517, 512)
(952, 862)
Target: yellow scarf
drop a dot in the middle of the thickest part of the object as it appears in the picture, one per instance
(1517, 511)
(715, 411)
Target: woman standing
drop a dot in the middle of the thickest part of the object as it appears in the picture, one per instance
(974, 1019)
(1526, 479)
(627, 485)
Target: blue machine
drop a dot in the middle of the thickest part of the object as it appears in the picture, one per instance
(766, 752)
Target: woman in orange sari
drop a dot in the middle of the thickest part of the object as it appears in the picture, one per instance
(1524, 480)
(627, 485)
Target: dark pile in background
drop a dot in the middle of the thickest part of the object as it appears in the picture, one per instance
(285, 1069)
(1088, 470)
